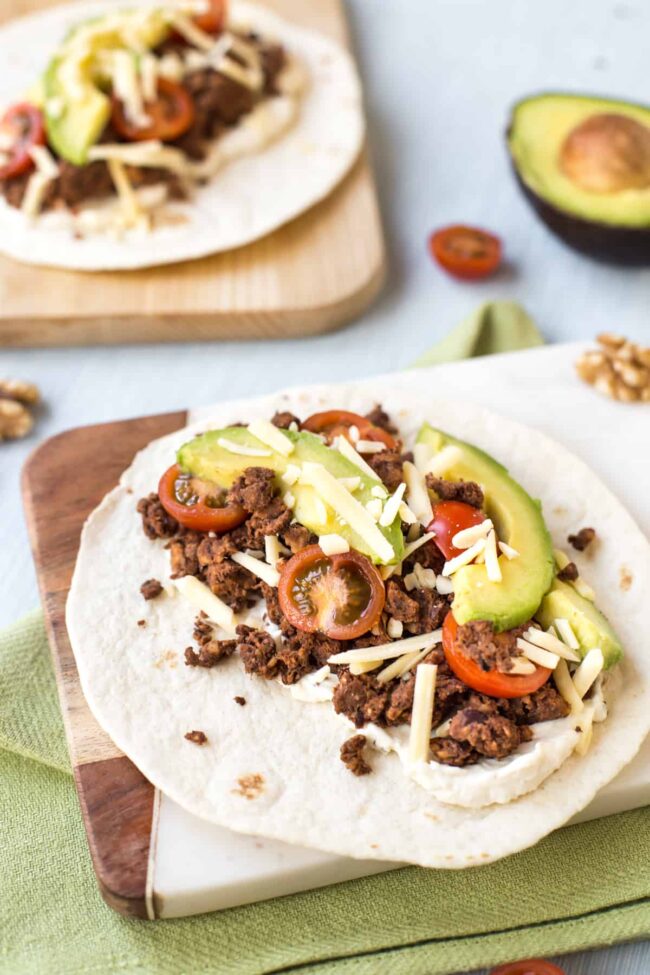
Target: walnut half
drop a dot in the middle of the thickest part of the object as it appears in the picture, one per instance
(15, 418)
(619, 369)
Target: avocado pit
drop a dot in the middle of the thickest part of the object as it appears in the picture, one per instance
(607, 153)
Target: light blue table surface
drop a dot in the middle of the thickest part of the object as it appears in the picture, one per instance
(440, 76)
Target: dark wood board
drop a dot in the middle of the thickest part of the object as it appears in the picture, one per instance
(63, 480)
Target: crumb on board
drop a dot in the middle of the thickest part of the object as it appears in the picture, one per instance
(250, 786)
(240, 700)
(142, 622)
(198, 737)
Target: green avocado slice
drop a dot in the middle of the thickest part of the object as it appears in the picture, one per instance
(73, 126)
(519, 522)
(591, 627)
(208, 459)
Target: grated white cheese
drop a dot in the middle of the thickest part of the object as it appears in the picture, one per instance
(492, 567)
(348, 508)
(584, 589)
(566, 687)
(395, 629)
(522, 666)
(426, 577)
(44, 161)
(131, 209)
(391, 508)
(549, 641)
(291, 475)
(289, 499)
(402, 665)
(353, 432)
(537, 654)
(343, 445)
(411, 582)
(375, 508)
(363, 668)
(270, 435)
(350, 483)
(189, 30)
(588, 671)
(242, 449)
(378, 492)
(467, 537)
(509, 552)
(566, 633)
(444, 586)
(370, 446)
(273, 549)
(422, 453)
(386, 651)
(443, 460)
(149, 77)
(333, 544)
(203, 598)
(126, 87)
(586, 729)
(35, 193)
(422, 714)
(417, 494)
(409, 549)
(407, 516)
(267, 573)
(150, 154)
(464, 558)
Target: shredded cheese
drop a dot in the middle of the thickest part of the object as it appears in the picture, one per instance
(363, 668)
(375, 508)
(566, 687)
(443, 460)
(370, 446)
(35, 194)
(409, 549)
(270, 435)
(237, 448)
(189, 30)
(467, 537)
(289, 499)
(586, 729)
(588, 671)
(509, 552)
(537, 654)
(391, 508)
(422, 714)
(386, 651)
(291, 475)
(402, 665)
(422, 453)
(351, 484)
(126, 87)
(273, 549)
(267, 573)
(522, 666)
(377, 492)
(150, 154)
(407, 516)
(348, 508)
(149, 77)
(584, 589)
(444, 586)
(417, 494)
(464, 558)
(492, 567)
(333, 544)
(550, 642)
(343, 445)
(128, 199)
(202, 597)
(44, 161)
(566, 633)
(395, 629)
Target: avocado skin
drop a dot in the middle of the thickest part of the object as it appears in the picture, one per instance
(625, 246)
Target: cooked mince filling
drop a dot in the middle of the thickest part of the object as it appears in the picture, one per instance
(467, 726)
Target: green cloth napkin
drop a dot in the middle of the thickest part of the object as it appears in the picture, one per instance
(584, 886)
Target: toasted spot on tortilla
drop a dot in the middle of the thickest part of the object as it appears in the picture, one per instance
(625, 578)
(167, 658)
(432, 817)
(250, 786)
(560, 510)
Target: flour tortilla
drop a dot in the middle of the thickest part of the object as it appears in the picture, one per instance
(248, 198)
(146, 698)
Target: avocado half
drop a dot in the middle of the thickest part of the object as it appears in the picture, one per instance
(584, 165)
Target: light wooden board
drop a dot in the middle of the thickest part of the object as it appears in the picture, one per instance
(314, 274)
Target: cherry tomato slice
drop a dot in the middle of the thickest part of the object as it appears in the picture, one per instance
(466, 252)
(214, 19)
(450, 517)
(490, 682)
(171, 115)
(23, 126)
(335, 423)
(531, 966)
(341, 595)
(190, 502)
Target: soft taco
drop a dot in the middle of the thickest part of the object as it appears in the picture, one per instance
(149, 133)
(351, 627)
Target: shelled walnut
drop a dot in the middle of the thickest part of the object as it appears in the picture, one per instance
(16, 419)
(619, 369)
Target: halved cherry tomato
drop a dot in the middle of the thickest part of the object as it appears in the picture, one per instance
(335, 423)
(531, 966)
(341, 596)
(450, 517)
(466, 252)
(214, 19)
(23, 127)
(171, 115)
(490, 682)
(196, 504)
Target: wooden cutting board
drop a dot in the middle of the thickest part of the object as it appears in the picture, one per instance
(301, 280)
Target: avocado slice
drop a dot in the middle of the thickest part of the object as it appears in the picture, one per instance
(591, 627)
(206, 458)
(519, 522)
(76, 108)
(584, 165)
